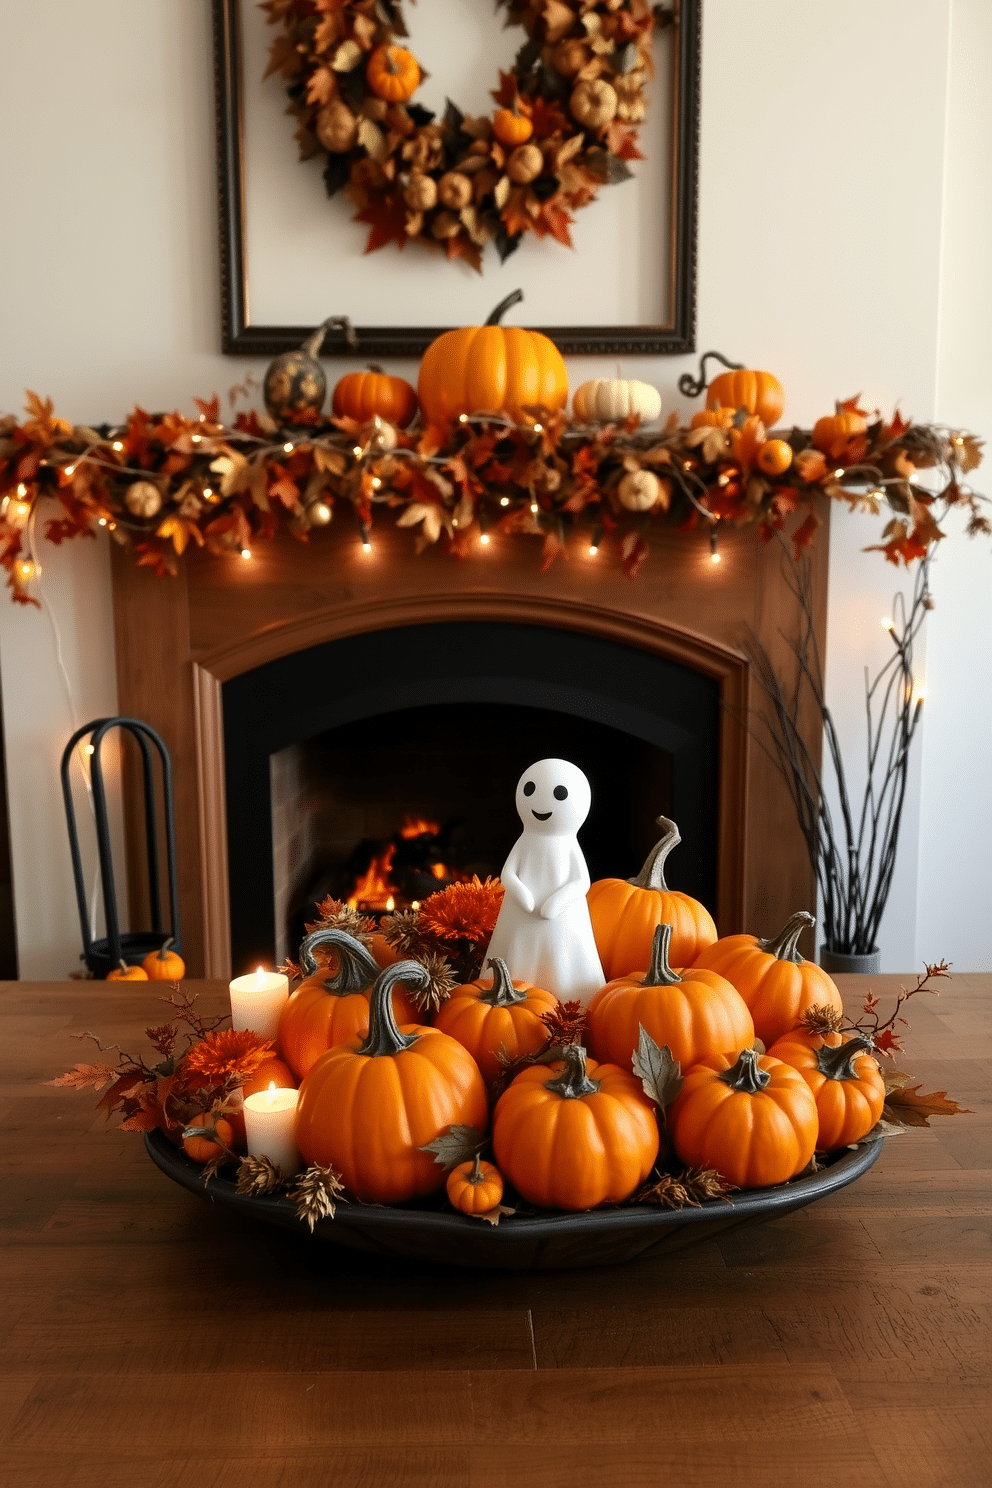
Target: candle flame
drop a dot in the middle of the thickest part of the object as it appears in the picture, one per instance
(271, 1092)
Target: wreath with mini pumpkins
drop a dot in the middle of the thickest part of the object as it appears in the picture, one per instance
(564, 125)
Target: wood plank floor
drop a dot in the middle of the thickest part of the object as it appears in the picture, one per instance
(147, 1339)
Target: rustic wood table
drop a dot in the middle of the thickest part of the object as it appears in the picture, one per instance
(151, 1340)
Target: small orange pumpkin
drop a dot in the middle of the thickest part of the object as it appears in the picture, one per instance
(125, 973)
(774, 980)
(369, 1107)
(362, 395)
(625, 913)
(392, 73)
(330, 1008)
(833, 433)
(753, 1119)
(499, 1014)
(165, 964)
(512, 127)
(712, 418)
(848, 1089)
(587, 1135)
(758, 392)
(200, 1148)
(475, 1187)
(695, 1013)
(492, 369)
(775, 456)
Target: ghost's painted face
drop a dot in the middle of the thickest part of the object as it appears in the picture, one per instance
(553, 797)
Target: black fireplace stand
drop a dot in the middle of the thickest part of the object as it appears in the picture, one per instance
(132, 947)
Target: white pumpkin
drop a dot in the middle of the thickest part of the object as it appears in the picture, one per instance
(143, 499)
(612, 399)
(639, 490)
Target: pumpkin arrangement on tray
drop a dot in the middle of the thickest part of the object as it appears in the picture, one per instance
(496, 1097)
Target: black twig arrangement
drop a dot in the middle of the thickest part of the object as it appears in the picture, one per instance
(854, 855)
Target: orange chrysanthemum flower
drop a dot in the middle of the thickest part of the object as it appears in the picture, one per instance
(228, 1055)
(464, 911)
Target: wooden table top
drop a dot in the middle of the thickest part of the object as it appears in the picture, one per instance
(150, 1340)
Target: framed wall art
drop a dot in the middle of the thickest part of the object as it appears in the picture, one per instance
(615, 103)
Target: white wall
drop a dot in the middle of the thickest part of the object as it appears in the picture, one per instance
(840, 244)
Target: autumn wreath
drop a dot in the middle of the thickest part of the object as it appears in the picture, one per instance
(565, 122)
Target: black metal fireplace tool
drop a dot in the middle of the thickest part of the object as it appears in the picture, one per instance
(133, 946)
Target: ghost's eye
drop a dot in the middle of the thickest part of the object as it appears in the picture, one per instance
(529, 788)
(560, 793)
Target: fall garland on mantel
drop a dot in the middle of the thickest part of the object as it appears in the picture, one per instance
(163, 481)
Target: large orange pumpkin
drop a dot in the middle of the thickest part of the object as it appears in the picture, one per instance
(774, 980)
(362, 395)
(575, 1134)
(844, 1078)
(329, 1008)
(500, 1014)
(369, 1107)
(625, 913)
(492, 369)
(758, 392)
(753, 1119)
(694, 1012)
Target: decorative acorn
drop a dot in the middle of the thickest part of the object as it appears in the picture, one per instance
(295, 384)
(143, 499)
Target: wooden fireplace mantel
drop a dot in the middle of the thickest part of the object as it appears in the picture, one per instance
(179, 640)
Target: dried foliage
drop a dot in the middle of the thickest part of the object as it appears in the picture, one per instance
(258, 1176)
(316, 1194)
(822, 1019)
(577, 91)
(692, 1187)
(441, 981)
(336, 914)
(659, 1072)
(226, 487)
(448, 934)
(882, 1036)
(456, 1144)
(229, 1057)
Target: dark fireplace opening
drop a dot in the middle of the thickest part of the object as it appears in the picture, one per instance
(332, 752)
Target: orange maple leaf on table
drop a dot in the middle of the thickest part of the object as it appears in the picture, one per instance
(82, 1076)
(908, 1107)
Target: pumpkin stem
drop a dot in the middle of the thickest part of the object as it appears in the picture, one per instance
(384, 1035)
(374, 367)
(652, 875)
(838, 1063)
(746, 1074)
(504, 305)
(573, 1083)
(476, 1175)
(315, 340)
(502, 993)
(163, 952)
(659, 973)
(691, 386)
(357, 969)
(783, 945)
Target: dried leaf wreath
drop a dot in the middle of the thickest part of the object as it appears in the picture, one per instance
(163, 482)
(565, 123)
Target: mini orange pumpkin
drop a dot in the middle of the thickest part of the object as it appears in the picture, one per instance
(774, 980)
(392, 73)
(775, 456)
(369, 1107)
(848, 1089)
(511, 127)
(475, 1187)
(758, 392)
(834, 432)
(165, 964)
(492, 369)
(200, 1148)
(499, 1014)
(575, 1134)
(753, 1119)
(330, 1008)
(125, 973)
(695, 1013)
(362, 395)
(625, 913)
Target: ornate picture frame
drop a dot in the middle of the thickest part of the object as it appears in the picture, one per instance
(240, 336)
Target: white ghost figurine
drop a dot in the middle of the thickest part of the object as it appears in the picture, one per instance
(543, 932)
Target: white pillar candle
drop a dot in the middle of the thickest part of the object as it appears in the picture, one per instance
(257, 1000)
(270, 1126)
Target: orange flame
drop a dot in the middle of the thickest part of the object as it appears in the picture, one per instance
(375, 889)
(419, 826)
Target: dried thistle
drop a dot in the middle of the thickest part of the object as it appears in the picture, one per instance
(315, 1194)
(403, 932)
(336, 914)
(689, 1188)
(259, 1175)
(438, 990)
(822, 1019)
(566, 1023)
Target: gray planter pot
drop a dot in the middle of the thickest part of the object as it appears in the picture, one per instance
(868, 965)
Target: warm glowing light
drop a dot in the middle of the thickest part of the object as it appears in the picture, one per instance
(101, 521)
(321, 513)
(419, 826)
(246, 553)
(366, 547)
(593, 550)
(504, 501)
(439, 870)
(288, 447)
(356, 451)
(260, 975)
(958, 439)
(390, 904)
(22, 489)
(196, 438)
(118, 445)
(375, 888)
(838, 475)
(111, 526)
(415, 904)
(18, 512)
(887, 624)
(484, 539)
(723, 480)
(919, 696)
(538, 428)
(534, 507)
(26, 569)
(376, 482)
(716, 557)
(70, 470)
(207, 492)
(270, 1094)
(87, 748)
(463, 418)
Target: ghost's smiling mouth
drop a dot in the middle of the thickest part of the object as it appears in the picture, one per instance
(541, 815)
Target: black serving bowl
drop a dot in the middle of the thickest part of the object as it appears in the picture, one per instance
(549, 1241)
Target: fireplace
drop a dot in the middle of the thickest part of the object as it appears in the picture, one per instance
(336, 655)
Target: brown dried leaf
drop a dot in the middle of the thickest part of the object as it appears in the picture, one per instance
(907, 1108)
(457, 1144)
(492, 1216)
(658, 1071)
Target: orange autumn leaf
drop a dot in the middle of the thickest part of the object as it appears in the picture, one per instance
(745, 442)
(810, 466)
(180, 530)
(909, 1108)
(804, 534)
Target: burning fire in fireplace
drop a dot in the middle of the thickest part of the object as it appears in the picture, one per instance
(406, 866)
